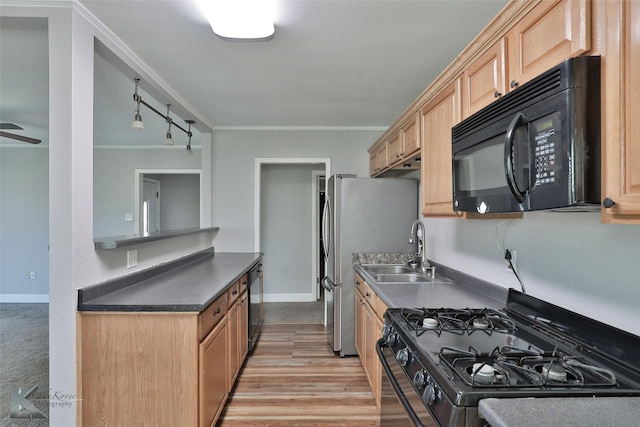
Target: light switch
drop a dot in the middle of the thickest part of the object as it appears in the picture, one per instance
(128, 217)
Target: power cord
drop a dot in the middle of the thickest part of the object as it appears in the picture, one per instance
(507, 257)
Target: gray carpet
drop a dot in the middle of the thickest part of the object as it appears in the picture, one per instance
(294, 312)
(24, 359)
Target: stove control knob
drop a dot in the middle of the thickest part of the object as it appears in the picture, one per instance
(430, 394)
(420, 379)
(392, 339)
(403, 357)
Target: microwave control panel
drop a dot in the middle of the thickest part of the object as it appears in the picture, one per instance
(546, 137)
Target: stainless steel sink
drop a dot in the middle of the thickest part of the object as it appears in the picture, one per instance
(402, 277)
(387, 269)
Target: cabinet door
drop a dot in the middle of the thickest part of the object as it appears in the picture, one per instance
(377, 370)
(243, 314)
(394, 148)
(484, 81)
(213, 374)
(437, 119)
(621, 110)
(359, 327)
(410, 139)
(552, 32)
(233, 350)
(370, 333)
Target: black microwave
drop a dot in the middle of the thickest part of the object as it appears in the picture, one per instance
(538, 147)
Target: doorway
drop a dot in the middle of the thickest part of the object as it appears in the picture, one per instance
(279, 185)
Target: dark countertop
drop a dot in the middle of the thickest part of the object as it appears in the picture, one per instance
(189, 284)
(565, 411)
(438, 294)
(114, 242)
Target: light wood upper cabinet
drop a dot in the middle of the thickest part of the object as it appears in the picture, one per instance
(394, 148)
(550, 33)
(379, 159)
(621, 110)
(437, 119)
(410, 137)
(485, 79)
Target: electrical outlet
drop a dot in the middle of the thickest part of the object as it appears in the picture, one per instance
(132, 258)
(32, 275)
(128, 217)
(513, 263)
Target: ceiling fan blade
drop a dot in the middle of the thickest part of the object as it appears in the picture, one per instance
(10, 126)
(20, 137)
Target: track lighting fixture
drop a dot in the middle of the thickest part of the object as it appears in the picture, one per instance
(169, 140)
(137, 123)
(189, 122)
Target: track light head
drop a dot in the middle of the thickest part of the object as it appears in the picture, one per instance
(137, 122)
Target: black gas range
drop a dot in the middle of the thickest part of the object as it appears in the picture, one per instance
(440, 362)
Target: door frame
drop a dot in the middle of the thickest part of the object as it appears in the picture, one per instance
(137, 193)
(259, 162)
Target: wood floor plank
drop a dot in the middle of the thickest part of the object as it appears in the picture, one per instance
(294, 378)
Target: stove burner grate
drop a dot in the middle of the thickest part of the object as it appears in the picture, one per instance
(510, 367)
(457, 321)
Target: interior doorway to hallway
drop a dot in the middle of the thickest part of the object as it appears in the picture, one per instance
(288, 229)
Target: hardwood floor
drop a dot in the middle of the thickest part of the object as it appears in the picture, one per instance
(293, 378)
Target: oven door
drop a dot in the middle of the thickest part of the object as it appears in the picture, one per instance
(400, 404)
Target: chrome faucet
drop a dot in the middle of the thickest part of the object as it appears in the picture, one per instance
(422, 247)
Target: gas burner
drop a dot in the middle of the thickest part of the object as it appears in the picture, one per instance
(430, 323)
(481, 323)
(457, 321)
(554, 371)
(483, 373)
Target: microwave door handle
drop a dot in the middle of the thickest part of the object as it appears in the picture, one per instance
(508, 157)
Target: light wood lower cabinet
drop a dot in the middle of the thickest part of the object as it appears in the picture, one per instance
(213, 388)
(161, 368)
(369, 313)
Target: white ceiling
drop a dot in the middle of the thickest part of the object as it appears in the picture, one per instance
(352, 63)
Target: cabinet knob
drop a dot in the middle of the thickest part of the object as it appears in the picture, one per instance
(215, 313)
(608, 203)
(513, 84)
(497, 94)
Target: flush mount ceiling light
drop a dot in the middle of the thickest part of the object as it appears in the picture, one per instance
(137, 123)
(240, 19)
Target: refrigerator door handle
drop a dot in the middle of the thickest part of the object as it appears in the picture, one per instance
(326, 285)
(326, 231)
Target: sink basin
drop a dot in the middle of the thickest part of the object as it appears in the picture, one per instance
(402, 277)
(387, 269)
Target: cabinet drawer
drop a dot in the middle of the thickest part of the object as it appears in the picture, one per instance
(369, 294)
(244, 283)
(233, 293)
(211, 316)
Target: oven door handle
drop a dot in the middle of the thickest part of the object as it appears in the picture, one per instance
(394, 383)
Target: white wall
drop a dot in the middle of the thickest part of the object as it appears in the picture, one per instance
(569, 259)
(234, 154)
(24, 223)
(286, 224)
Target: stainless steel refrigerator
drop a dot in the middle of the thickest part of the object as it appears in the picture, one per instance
(361, 215)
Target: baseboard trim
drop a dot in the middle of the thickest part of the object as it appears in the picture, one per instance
(25, 298)
(310, 297)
